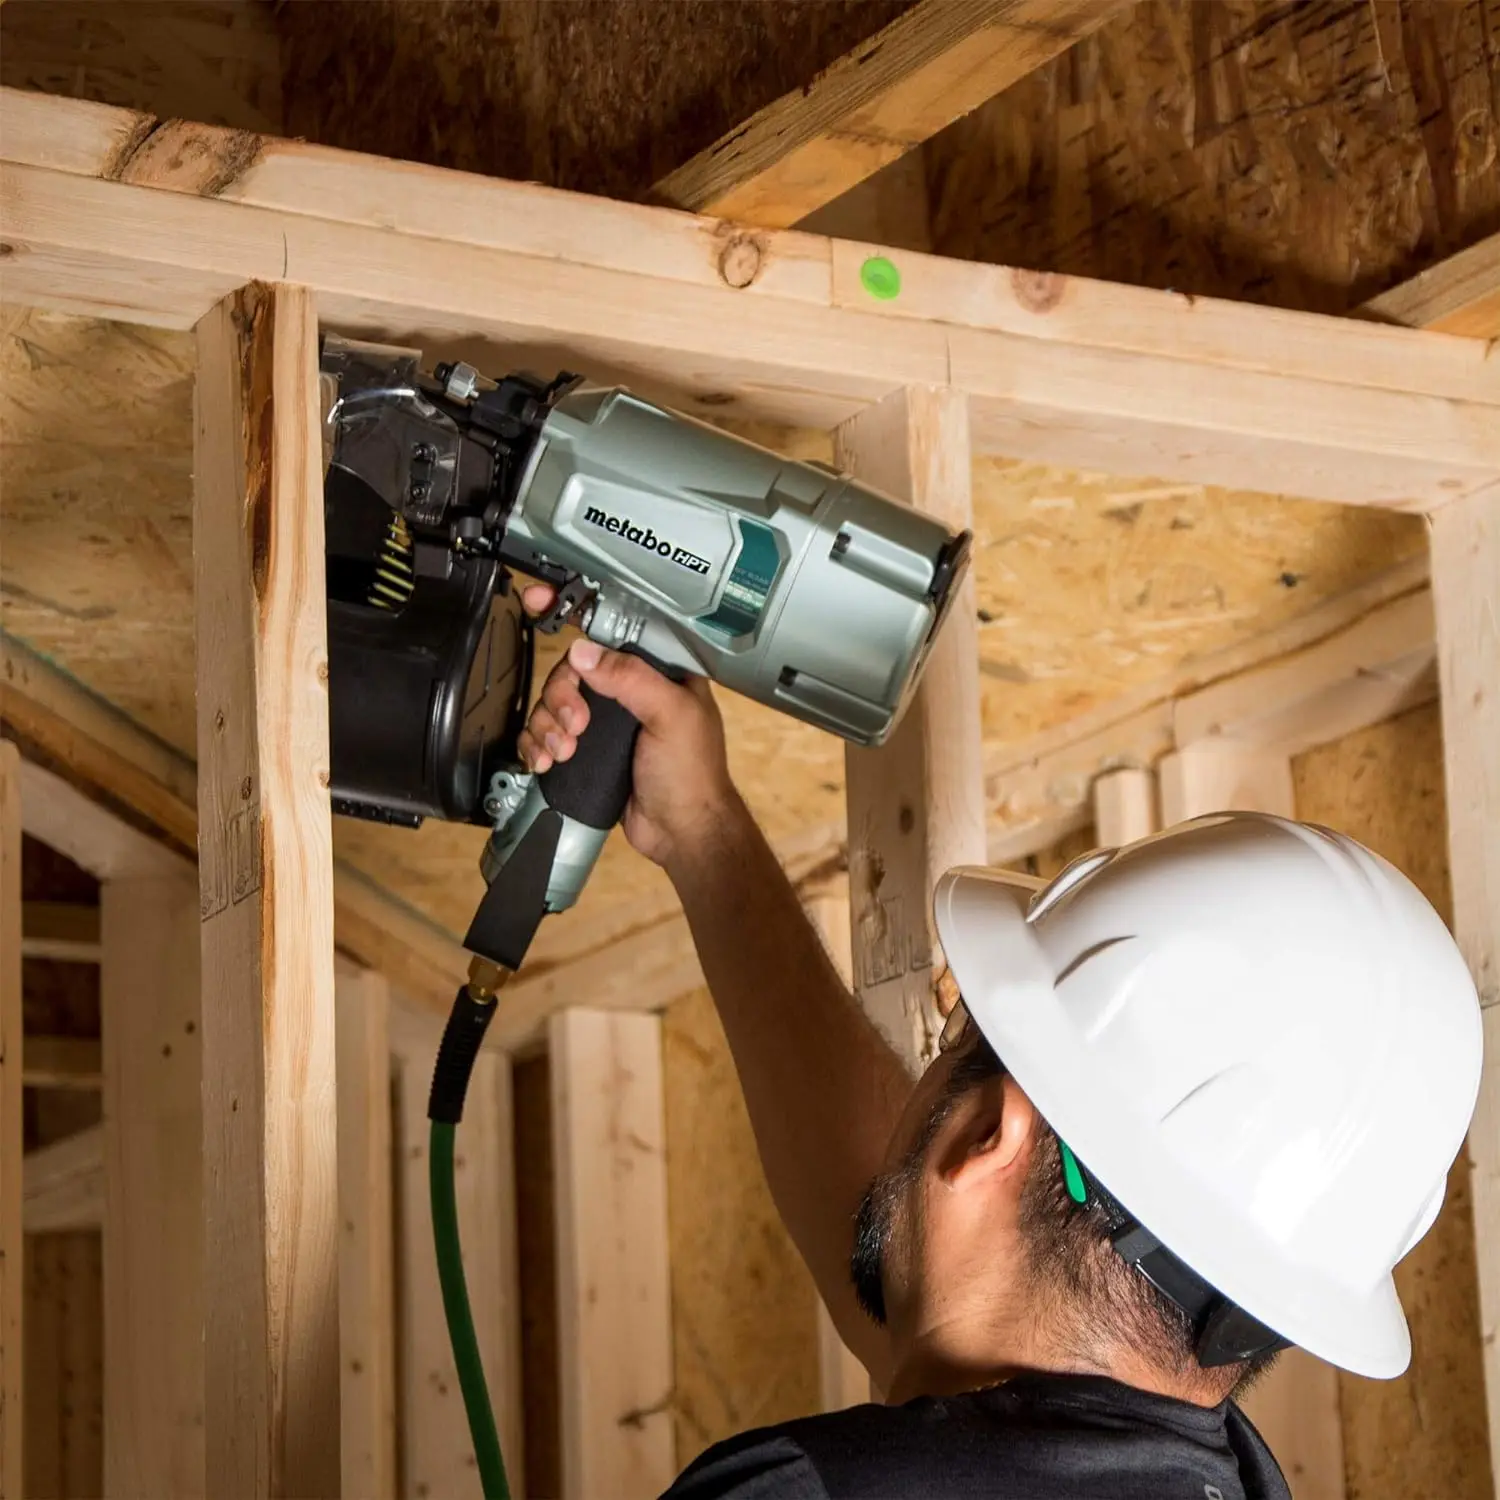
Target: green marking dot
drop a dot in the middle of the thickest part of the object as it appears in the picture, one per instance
(880, 278)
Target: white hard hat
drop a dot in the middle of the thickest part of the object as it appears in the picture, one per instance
(1261, 1040)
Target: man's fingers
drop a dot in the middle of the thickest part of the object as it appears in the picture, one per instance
(536, 598)
(532, 753)
(548, 734)
(631, 682)
(562, 697)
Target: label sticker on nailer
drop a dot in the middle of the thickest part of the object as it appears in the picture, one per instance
(750, 581)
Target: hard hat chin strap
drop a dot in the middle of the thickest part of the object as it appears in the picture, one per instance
(1224, 1333)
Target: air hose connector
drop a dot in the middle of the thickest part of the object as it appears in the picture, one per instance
(473, 1009)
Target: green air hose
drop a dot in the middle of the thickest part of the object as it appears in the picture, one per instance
(445, 1106)
(461, 1333)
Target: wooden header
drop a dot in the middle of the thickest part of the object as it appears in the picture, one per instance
(111, 213)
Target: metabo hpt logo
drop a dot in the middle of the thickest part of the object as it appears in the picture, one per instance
(645, 537)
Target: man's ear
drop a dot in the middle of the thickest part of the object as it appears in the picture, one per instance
(993, 1126)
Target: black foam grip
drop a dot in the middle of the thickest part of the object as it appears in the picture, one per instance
(594, 786)
(467, 1023)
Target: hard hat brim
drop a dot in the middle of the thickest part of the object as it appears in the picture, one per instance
(1008, 985)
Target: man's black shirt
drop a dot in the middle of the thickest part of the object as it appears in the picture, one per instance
(1037, 1437)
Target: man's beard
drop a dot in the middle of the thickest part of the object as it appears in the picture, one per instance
(874, 1227)
(880, 1218)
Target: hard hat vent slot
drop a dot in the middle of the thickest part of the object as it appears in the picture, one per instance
(1091, 952)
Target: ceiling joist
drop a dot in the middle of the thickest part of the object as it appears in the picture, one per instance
(927, 68)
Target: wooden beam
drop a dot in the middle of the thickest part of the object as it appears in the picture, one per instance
(1125, 807)
(12, 1285)
(64, 1184)
(1380, 667)
(928, 67)
(916, 805)
(1466, 592)
(367, 1293)
(613, 1287)
(437, 1456)
(265, 876)
(60, 930)
(153, 1188)
(782, 324)
(1459, 295)
(62, 1062)
(93, 837)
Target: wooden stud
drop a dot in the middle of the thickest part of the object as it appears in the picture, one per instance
(266, 883)
(12, 1284)
(1124, 807)
(1466, 591)
(437, 1456)
(613, 1291)
(153, 1187)
(1296, 1406)
(916, 805)
(367, 1297)
(938, 61)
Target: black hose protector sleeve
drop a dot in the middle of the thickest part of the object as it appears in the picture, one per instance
(467, 1023)
(594, 785)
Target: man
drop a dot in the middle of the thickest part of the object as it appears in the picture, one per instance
(1251, 1038)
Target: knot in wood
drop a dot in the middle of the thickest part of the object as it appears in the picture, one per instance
(740, 261)
(1038, 291)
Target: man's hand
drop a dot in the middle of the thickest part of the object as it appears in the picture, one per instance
(682, 788)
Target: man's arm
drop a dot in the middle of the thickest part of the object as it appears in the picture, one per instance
(823, 1088)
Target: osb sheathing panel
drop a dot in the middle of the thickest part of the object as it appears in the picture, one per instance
(218, 61)
(1422, 1437)
(603, 96)
(744, 1311)
(1086, 585)
(1304, 153)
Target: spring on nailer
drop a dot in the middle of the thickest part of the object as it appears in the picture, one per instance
(394, 580)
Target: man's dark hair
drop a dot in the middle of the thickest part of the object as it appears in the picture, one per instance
(1095, 1301)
